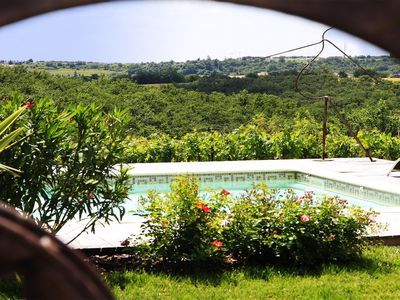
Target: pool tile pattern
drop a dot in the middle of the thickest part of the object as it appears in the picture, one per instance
(349, 189)
(274, 177)
(215, 178)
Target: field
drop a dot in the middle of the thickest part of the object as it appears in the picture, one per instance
(396, 80)
(67, 72)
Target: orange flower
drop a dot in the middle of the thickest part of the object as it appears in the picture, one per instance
(217, 243)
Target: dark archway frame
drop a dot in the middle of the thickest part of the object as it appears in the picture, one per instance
(42, 258)
(376, 21)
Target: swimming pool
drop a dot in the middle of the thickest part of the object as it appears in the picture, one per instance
(236, 188)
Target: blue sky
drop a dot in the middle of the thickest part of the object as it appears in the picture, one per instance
(142, 31)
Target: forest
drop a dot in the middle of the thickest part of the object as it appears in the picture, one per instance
(385, 66)
(224, 105)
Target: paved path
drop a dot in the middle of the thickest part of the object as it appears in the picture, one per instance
(358, 171)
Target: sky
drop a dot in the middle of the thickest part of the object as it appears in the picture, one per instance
(144, 31)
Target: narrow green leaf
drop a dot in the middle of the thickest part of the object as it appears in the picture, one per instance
(13, 171)
(10, 119)
(9, 138)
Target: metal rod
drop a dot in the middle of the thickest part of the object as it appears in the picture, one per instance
(350, 129)
(324, 131)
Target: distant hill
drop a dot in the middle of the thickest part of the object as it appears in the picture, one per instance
(385, 66)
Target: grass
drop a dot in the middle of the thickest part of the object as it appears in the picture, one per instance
(397, 80)
(376, 276)
(83, 72)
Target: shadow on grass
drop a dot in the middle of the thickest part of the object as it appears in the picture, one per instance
(214, 275)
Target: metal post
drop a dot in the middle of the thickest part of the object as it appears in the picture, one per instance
(324, 130)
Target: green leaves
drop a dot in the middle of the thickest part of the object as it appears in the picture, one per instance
(68, 162)
(7, 122)
(181, 226)
(259, 225)
(8, 139)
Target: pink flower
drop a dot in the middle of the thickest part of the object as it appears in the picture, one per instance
(217, 243)
(332, 237)
(371, 219)
(225, 192)
(304, 218)
(300, 199)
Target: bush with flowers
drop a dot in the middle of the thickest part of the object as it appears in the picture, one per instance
(260, 225)
(292, 229)
(182, 226)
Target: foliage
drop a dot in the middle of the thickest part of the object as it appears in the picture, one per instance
(302, 140)
(67, 163)
(230, 66)
(181, 226)
(259, 225)
(9, 138)
(227, 104)
(300, 230)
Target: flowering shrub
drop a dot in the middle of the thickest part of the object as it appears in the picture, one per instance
(295, 229)
(182, 226)
(257, 226)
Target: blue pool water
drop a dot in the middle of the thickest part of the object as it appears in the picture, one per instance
(237, 188)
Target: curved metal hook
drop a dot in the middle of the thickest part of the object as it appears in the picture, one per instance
(308, 65)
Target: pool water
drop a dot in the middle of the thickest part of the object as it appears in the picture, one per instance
(237, 188)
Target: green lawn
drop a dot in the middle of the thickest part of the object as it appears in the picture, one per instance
(377, 276)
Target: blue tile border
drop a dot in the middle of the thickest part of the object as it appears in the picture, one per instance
(348, 189)
(220, 177)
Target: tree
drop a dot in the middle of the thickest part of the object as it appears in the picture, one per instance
(366, 72)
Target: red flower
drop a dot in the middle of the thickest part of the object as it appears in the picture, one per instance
(217, 243)
(30, 103)
(225, 192)
(205, 208)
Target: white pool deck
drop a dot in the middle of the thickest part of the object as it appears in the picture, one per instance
(357, 171)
